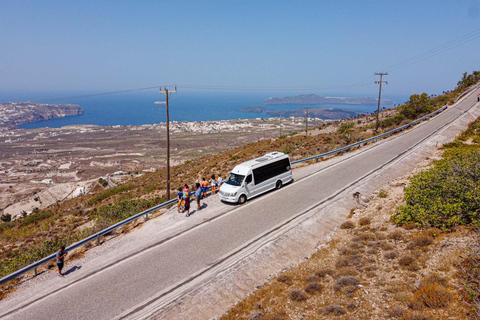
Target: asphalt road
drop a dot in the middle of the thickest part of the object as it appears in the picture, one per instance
(158, 272)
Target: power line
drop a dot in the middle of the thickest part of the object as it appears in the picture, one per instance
(347, 88)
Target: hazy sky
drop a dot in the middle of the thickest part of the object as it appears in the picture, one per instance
(327, 45)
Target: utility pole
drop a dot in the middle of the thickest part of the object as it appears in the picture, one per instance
(306, 122)
(167, 95)
(379, 94)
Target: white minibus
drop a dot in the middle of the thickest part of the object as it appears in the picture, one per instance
(252, 178)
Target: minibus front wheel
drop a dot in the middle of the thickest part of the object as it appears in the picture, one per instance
(242, 199)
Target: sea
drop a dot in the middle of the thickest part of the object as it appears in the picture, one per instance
(139, 107)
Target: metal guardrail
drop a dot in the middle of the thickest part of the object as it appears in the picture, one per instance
(371, 139)
(383, 134)
(145, 213)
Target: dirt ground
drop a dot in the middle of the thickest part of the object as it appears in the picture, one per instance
(370, 269)
(39, 167)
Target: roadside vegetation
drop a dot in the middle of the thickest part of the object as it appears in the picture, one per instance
(419, 260)
(25, 240)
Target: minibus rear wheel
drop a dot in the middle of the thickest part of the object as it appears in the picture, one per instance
(278, 185)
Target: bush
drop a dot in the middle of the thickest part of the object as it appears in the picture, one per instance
(36, 217)
(103, 182)
(334, 309)
(322, 273)
(346, 284)
(416, 315)
(420, 241)
(396, 235)
(298, 295)
(285, 279)
(396, 312)
(364, 221)
(469, 273)
(345, 127)
(347, 225)
(394, 120)
(313, 287)
(446, 195)
(6, 217)
(110, 192)
(434, 296)
(406, 261)
(390, 255)
(434, 279)
(382, 194)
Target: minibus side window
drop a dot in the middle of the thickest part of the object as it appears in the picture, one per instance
(248, 179)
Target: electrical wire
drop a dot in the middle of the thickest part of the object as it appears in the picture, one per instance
(347, 88)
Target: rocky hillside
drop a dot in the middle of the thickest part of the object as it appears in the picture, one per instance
(13, 114)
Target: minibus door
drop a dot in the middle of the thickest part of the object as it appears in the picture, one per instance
(249, 186)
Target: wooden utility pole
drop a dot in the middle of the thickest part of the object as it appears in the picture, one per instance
(306, 122)
(379, 94)
(167, 95)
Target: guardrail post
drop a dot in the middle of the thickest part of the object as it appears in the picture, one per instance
(146, 216)
(36, 271)
(98, 240)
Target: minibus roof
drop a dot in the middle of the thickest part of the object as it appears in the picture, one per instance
(244, 167)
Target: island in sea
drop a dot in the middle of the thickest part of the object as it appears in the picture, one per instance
(315, 99)
(255, 109)
(321, 113)
(13, 114)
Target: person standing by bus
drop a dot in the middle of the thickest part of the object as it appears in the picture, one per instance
(186, 205)
(198, 193)
(219, 181)
(204, 187)
(213, 183)
(180, 199)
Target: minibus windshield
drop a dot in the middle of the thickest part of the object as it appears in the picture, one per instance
(235, 179)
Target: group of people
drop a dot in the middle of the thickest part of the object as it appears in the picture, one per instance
(183, 195)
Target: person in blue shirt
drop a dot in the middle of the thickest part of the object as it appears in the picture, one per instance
(198, 194)
(60, 255)
(180, 200)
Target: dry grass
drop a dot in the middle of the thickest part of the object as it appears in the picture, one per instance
(333, 310)
(420, 241)
(364, 221)
(313, 287)
(346, 284)
(347, 225)
(396, 235)
(298, 295)
(433, 296)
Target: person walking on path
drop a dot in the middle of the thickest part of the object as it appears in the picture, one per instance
(180, 199)
(219, 181)
(204, 187)
(60, 255)
(213, 183)
(198, 193)
(186, 205)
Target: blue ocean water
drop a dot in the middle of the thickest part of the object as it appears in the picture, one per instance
(138, 108)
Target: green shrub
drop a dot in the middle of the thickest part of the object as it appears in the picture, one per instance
(6, 217)
(345, 127)
(35, 217)
(287, 149)
(110, 192)
(103, 182)
(445, 196)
